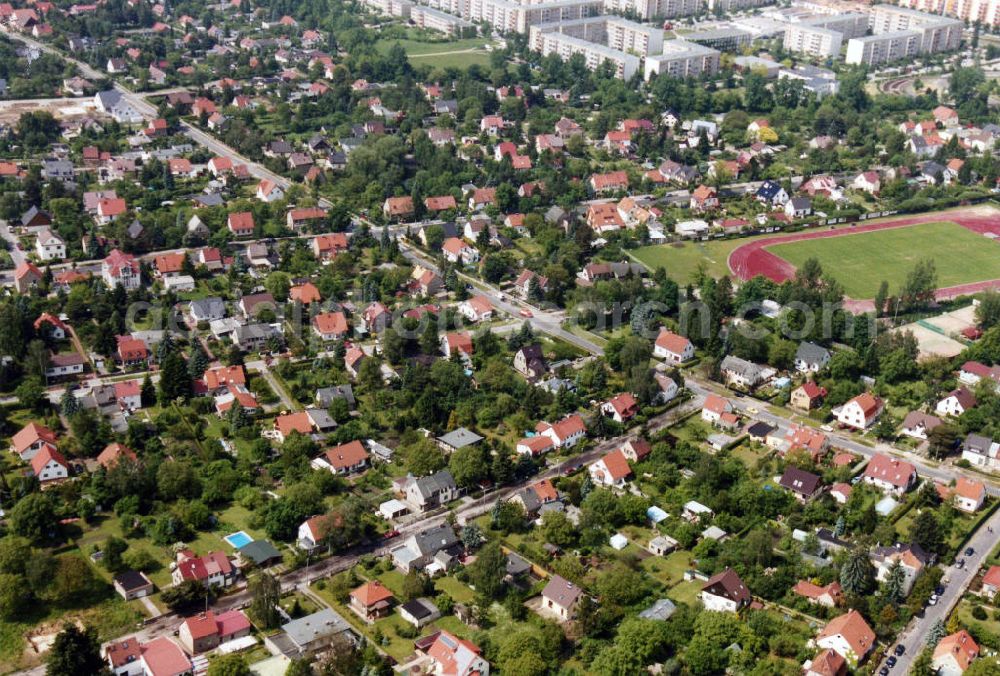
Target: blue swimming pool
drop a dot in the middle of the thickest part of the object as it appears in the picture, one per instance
(238, 540)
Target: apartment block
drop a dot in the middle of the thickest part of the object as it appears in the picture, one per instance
(594, 54)
(399, 8)
(985, 11)
(937, 33)
(611, 31)
(435, 19)
(682, 59)
(883, 48)
(812, 40)
(735, 5)
(655, 9)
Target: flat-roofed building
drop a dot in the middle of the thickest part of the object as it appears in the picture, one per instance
(681, 59)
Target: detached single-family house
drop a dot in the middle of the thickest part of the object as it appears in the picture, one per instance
(565, 433)
(912, 559)
(811, 358)
(918, 424)
(807, 396)
(849, 636)
(861, 411)
(673, 348)
(344, 459)
(621, 408)
(889, 474)
(968, 495)
(956, 402)
(954, 654)
(804, 485)
(560, 597)
(422, 549)
(212, 570)
(611, 471)
(48, 464)
(714, 408)
(371, 601)
(725, 592)
(830, 596)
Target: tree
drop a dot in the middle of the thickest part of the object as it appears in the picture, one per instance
(936, 633)
(175, 381)
(69, 404)
(229, 665)
(113, 550)
(926, 531)
(558, 529)
(187, 595)
(469, 466)
(893, 587)
(75, 651)
(988, 310)
(424, 458)
(857, 576)
(147, 394)
(486, 573)
(34, 516)
(14, 597)
(472, 537)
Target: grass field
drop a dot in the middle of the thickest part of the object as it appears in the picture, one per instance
(681, 261)
(445, 54)
(860, 262)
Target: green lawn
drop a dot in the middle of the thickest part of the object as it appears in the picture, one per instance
(444, 54)
(860, 262)
(683, 259)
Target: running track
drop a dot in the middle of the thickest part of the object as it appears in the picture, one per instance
(754, 259)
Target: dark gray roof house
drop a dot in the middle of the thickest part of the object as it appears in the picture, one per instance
(207, 309)
(326, 395)
(458, 438)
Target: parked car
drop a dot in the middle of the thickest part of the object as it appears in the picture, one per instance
(969, 551)
(900, 649)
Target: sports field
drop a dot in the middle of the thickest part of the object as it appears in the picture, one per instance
(861, 261)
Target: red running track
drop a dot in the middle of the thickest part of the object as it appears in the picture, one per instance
(754, 259)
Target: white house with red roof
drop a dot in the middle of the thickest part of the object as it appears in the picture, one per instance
(456, 250)
(240, 224)
(991, 582)
(956, 402)
(269, 191)
(49, 465)
(453, 656)
(476, 309)
(861, 412)
(325, 247)
(211, 570)
(611, 471)
(128, 394)
(330, 326)
(58, 328)
(565, 433)
(121, 269)
(123, 657)
(535, 446)
(208, 630)
(343, 459)
(849, 636)
(672, 347)
(621, 408)
(235, 394)
(456, 342)
(32, 438)
(890, 474)
(714, 408)
(968, 495)
(954, 654)
(109, 210)
(163, 657)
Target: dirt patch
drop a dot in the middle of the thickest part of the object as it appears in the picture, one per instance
(61, 109)
(41, 638)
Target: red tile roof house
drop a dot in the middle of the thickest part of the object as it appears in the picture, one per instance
(26, 277)
(453, 656)
(482, 198)
(890, 474)
(830, 596)
(212, 570)
(330, 326)
(861, 411)
(31, 439)
(714, 408)
(344, 459)
(121, 269)
(826, 663)
(306, 294)
(299, 218)
(807, 396)
(565, 433)
(621, 408)
(535, 446)
(455, 250)
(169, 265)
(991, 582)
(236, 394)
(123, 656)
(371, 601)
(954, 654)
(163, 657)
(476, 309)
(440, 203)
(523, 283)
(113, 453)
(725, 592)
(128, 394)
(241, 224)
(219, 378)
(132, 351)
(611, 471)
(969, 495)
(673, 348)
(325, 247)
(209, 630)
(398, 207)
(615, 180)
(110, 209)
(287, 423)
(49, 465)
(849, 636)
(455, 342)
